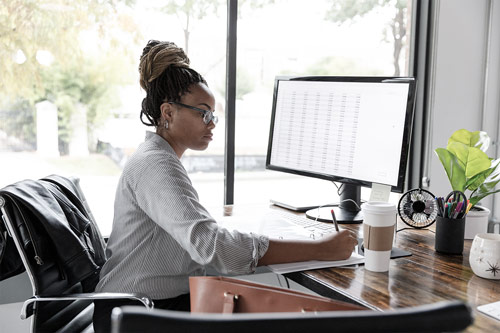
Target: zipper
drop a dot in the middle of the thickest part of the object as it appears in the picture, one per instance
(38, 259)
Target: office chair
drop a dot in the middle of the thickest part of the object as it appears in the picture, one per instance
(63, 290)
(448, 316)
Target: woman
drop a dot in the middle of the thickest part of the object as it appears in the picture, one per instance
(161, 233)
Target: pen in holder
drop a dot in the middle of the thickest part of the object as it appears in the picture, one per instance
(450, 223)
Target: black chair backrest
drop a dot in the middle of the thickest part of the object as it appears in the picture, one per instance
(39, 247)
(449, 316)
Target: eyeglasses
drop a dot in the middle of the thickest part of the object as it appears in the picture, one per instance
(208, 115)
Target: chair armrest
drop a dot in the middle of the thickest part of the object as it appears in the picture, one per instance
(27, 308)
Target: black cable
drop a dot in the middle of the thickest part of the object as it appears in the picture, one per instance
(403, 229)
(287, 282)
(410, 228)
(338, 188)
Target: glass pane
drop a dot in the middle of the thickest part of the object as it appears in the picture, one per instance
(293, 37)
(69, 94)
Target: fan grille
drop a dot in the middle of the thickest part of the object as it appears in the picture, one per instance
(417, 208)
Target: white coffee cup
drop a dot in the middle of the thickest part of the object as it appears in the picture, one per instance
(378, 234)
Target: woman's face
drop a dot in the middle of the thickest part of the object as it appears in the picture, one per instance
(186, 128)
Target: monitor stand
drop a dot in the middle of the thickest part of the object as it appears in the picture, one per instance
(348, 211)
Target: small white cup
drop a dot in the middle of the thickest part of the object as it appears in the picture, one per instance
(378, 234)
(484, 256)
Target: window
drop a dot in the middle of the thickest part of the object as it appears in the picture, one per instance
(305, 38)
(70, 98)
(70, 94)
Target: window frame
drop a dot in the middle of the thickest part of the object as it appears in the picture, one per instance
(418, 69)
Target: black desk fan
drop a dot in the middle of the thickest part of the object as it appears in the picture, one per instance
(417, 208)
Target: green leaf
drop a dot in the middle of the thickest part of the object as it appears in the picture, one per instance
(478, 139)
(473, 183)
(477, 197)
(493, 178)
(454, 170)
(472, 159)
(488, 186)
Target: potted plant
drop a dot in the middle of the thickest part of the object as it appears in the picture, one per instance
(471, 171)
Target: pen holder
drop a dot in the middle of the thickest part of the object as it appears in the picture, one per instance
(449, 235)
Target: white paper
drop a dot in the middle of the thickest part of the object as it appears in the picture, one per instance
(380, 192)
(315, 264)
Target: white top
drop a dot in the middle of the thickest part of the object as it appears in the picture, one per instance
(162, 234)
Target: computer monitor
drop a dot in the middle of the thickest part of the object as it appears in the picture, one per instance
(352, 130)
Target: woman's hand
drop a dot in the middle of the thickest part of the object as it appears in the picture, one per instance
(335, 246)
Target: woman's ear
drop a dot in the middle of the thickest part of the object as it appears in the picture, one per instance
(166, 111)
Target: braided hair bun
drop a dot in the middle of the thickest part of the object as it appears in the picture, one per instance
(156, 57)
(165, 75)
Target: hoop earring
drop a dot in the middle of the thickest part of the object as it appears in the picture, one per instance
(166, 124)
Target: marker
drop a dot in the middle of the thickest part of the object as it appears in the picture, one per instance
(458, 208)
(335, 221)
(440, 204)
(468, 208)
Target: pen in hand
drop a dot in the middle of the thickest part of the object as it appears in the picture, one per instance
(335, 221)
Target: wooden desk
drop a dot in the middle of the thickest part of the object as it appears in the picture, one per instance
(422, 278)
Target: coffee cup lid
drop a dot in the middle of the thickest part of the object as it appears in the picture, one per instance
(378, 207)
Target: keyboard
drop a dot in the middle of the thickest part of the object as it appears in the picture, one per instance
(278, 224)
(317, 229)
(491, 309)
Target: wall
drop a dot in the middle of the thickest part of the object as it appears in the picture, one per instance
(464, 81)
(491, 121)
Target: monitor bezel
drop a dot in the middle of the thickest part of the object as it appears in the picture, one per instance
(410, 106)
